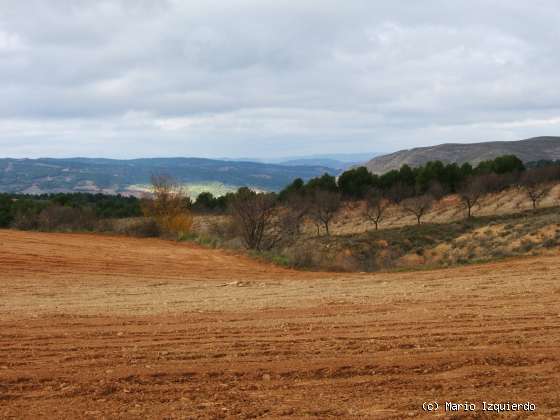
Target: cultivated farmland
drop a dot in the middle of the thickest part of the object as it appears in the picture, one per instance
(97, 326)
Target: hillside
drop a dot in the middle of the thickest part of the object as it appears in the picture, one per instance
(128, 176)
(528, 150)
(504, 225)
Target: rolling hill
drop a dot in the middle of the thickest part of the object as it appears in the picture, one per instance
(131, 176)
(340, 161)
(537, 148)
(330, 163)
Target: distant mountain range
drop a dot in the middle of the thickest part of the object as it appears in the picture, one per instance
(113, 176)
(529, 150)
(330, 163)
(333, 160)
(133, 176)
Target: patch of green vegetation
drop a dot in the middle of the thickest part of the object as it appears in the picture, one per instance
(202, 240)
(20, 207)
(193, 189)
(217, 189)
(273, 257)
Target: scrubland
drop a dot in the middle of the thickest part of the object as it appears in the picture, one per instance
(503, 225)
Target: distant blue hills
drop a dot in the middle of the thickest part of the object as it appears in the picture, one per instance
(115, 176)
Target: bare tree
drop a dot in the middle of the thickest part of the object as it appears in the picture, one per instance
(418, 205)
(169, 205)
(297, 207)
(471, 191)
(376, 204)
(536, 192)
(253, 214)
(536, 183)
(324, 205)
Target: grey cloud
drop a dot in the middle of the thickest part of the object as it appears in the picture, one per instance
(246, 76)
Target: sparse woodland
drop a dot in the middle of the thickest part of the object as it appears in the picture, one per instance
(311, 220)
(305, 224)
(410, 195)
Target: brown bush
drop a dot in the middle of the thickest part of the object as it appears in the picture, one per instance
(252, 215)
(223, 227)
(25, 221)
(169, 206)
(66, 218)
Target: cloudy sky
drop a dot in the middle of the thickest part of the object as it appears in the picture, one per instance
(270, 78)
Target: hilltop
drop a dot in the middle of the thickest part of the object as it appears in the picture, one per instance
(529, 150)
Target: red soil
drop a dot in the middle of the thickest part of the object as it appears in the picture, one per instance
(112, 327)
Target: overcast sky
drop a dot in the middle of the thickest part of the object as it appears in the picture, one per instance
(266, 78)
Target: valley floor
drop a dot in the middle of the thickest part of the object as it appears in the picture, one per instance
(114, 327)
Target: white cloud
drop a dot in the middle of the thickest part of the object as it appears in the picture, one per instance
(10, 42)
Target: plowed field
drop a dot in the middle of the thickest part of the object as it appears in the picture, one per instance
(113, 327)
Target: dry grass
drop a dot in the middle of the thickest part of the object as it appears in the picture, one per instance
(429, 245)
(351, 219)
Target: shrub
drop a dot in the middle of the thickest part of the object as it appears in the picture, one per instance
(25, 221)
(57, 217)
(526, 246)
(252, 216)
(6, 211)
(178, 225)
(143, 228)
(223, 228)
(169, 207)
(550, 243)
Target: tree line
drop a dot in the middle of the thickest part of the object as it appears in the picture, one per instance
(434, 177)
(30, 211)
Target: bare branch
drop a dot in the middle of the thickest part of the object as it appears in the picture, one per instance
(418, 205)
(376, 205)
(472, 190)
(252, 213)
(324, 206)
